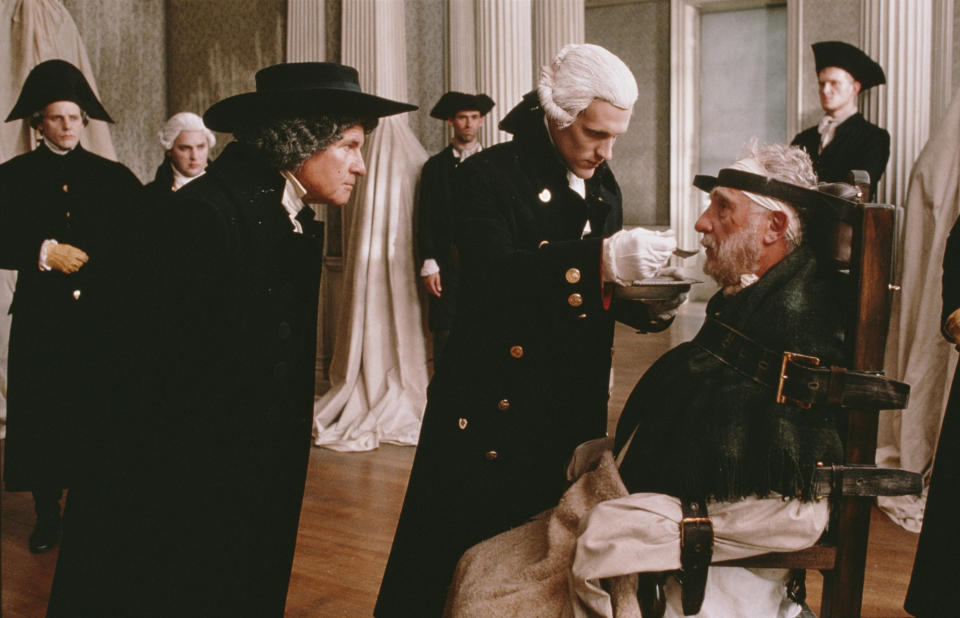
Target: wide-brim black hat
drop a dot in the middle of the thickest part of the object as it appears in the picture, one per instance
(851, 59)
(453, 102)
(812, 203)
(56, 80)
(300, 88)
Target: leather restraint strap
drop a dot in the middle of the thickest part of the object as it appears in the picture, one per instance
(797, 378)
(696, 551)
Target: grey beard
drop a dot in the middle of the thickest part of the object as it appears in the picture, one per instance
(738, 255)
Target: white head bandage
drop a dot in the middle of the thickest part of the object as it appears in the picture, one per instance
(794, 233)
(578, 75)
(184, 121)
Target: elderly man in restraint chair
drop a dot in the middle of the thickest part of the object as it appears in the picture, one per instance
(715, 457)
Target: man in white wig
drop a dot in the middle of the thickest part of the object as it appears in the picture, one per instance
(703, 435)
(187, 143)
(526, 373)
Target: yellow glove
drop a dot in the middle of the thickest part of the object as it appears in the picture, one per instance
(66, 258)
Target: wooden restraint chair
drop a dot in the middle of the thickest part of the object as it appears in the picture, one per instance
(855, 244)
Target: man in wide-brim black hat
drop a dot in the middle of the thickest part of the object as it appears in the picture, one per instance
(237, 289)
(436, 208)
(62, 212)
(844, 140)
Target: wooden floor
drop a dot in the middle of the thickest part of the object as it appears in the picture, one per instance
(351, 506)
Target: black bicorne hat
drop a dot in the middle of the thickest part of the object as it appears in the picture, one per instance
(300, 88)
(56, 80)
(453, 102)
(851, 59)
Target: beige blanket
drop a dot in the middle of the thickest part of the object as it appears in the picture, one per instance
(529, 566)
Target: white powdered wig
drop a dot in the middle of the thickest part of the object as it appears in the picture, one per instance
(578, 75)
(184, 121)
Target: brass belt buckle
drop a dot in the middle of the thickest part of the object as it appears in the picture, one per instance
(804, 359)
(692, 521)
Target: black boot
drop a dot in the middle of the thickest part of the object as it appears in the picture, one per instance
(46, 532)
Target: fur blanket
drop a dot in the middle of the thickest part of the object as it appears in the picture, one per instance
(529, 566)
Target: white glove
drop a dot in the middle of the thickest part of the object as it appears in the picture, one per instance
(667, 308)
(631, 255)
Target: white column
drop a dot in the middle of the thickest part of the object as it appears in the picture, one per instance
(504, 60)
(306, 27)
(897, 33)
(555, 23)
(941, 45)
(461, 46)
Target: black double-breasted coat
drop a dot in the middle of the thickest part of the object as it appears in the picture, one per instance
(225, 445)
(436, 218)
(857, 145)
(62, 333)
(939, 542)
(528, 361)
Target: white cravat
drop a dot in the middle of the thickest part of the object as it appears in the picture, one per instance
(577, 185)
(179, 179)
(461, 154)
(828, 127)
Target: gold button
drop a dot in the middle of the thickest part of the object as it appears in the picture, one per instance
(65, 188)
(575, 300)
(543, 243)
(68, 214)
(516, 351)
(491, 455)
(582, 316)
(545, 196)
(462, 423)
(572, 275)
(76, 295)
(503, 405)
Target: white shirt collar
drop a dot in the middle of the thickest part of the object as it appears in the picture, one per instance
(54, 148)
(292, 199)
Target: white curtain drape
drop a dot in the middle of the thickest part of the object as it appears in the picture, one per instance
(378, 373)
(916, 351)
(33, 31)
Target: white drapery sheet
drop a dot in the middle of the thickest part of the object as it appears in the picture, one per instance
(378, 373)
(916, 351)
(34, 31)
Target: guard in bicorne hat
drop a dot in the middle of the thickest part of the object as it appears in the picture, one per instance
(63, 211)
(844, 140)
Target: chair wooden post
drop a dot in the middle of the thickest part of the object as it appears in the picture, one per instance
(871, 266)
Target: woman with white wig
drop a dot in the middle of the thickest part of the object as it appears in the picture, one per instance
(187, 142)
